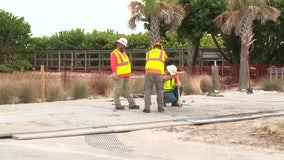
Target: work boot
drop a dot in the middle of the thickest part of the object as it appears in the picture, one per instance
(119, 107)
(134, 107)
(145, 110)
(160, 109)
(175, 104)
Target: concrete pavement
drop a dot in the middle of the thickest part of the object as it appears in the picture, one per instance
(81, 121)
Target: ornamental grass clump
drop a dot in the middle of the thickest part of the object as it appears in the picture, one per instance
(55, 91)
(28, 91)
(80, 89)
(272, 85)
(7, 92)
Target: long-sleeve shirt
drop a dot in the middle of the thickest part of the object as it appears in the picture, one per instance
(113, 64)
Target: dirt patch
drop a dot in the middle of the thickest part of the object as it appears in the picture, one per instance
(257, 134)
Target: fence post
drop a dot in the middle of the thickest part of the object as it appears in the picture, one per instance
(282, 72)
(42, 83)
(271, 69)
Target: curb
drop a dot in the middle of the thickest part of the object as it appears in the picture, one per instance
(133, 127)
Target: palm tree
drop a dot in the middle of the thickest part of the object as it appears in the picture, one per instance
(168, 10)
(239, 18)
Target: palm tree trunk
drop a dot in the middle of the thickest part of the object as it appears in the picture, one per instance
(246, 35)
(243, 74)
(190, 51)
(154, 29)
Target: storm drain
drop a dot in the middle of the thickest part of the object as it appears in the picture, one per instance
(107, 142)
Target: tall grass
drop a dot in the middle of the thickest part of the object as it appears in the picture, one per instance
(28, 91)
(272, 85)
(137, 85)
(7, 92)
(55, 91)
(80, 89)
(206, 83)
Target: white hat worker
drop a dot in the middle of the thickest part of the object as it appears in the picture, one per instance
(122, 41)
(172, 69)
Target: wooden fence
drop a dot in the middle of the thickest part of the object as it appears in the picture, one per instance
(88, 60)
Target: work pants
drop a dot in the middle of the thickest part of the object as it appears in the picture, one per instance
(122, 88)
(157, 80)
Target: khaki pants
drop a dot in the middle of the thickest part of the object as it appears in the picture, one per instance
(157, 80)
(122, 88)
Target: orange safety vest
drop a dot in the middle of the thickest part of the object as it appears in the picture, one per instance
(123, 65)
(155, 61)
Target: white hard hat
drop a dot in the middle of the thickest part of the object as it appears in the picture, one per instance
(172, 69)
(122, 41)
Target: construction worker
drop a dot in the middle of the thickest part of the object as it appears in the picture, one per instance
(155, 64)
(121, 71)
(172, 86)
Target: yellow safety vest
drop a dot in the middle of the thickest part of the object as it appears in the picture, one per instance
(169, 85)
(155, 61)
(123, 65)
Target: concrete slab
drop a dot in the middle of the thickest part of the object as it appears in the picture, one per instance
(77, 114)
(82, 120)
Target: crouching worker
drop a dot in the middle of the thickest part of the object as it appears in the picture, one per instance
(172, 86)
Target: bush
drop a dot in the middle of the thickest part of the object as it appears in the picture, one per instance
(272, 85)
(137, 85)
(55, 92)
(206, 83)
(80, 89)
(7, 92)
(28, 91)
(191, 85)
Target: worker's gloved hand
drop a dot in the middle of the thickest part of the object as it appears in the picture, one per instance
(114, 75)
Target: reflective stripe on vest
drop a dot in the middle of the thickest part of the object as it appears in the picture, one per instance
(123, 65)
(169, 85)
(155, 61)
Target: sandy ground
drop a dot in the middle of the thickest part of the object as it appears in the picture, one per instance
(250, 134)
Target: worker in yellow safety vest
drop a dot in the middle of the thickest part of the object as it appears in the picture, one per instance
(172, 86)
(121, 72)
(155, 64)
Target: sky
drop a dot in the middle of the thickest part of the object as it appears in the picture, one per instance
(48, 17)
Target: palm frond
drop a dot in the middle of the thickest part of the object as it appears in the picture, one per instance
(269, 13)
(137, 10)
(172, 14)
(133, 20)
(136, 7)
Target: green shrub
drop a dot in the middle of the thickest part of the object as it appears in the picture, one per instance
(28, 91)
(7, 92)
(80, 89)
(272, 85)
(55, 91)
(4, 68)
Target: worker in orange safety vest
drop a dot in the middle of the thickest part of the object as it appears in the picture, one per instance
(155, 64)
(121, 72)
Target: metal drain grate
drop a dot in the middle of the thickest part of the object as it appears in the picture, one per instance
(106, 142)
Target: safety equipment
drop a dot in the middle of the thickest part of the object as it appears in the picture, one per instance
(122, 41)
(158, 45)
(172, 69)
(169, 85)
(123, 64)
(155, 61)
